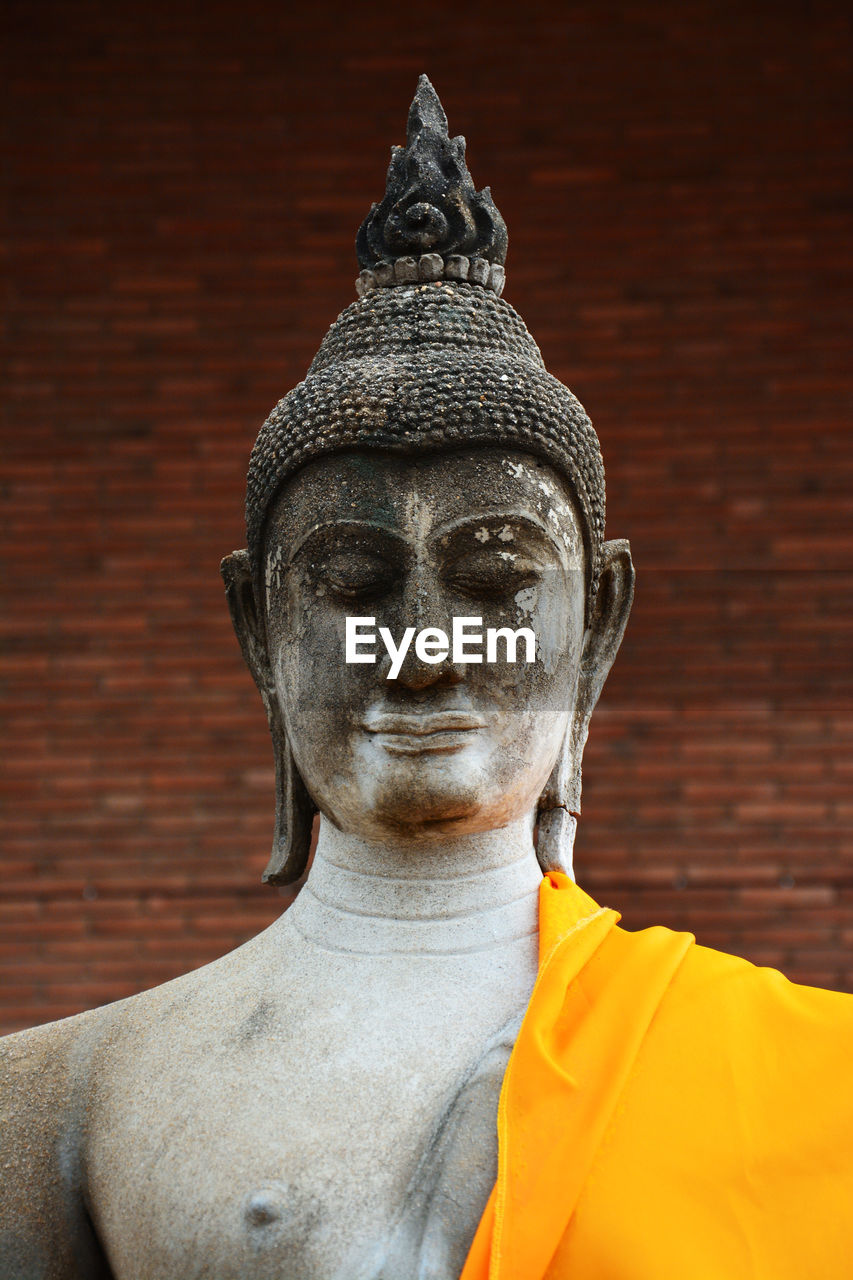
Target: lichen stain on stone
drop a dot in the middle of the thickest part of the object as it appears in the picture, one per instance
(550, 634)
(274, 568)
(526, 600)
(256, 1023)
(515, 469)
(418, 515)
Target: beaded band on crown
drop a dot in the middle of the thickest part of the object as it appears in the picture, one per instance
(431, 266)
(430, 358)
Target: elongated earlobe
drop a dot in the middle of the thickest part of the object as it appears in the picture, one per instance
(560, 802)
(294, 815)
(555, 844)
(294, 808)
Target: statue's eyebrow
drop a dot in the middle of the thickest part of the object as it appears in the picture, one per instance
(520, 519)
(324, 528)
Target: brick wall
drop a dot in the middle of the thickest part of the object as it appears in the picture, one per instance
(183, 184)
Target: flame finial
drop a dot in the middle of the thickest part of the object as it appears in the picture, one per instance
(431, 209)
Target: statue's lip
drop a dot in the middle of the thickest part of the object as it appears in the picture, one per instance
(421, 724)
(416, 733)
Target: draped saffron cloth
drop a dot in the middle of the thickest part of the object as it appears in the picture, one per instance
(668, 1113)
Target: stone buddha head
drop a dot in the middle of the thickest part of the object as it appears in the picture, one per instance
(428, 482)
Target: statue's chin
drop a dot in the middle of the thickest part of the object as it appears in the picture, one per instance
(428, 797)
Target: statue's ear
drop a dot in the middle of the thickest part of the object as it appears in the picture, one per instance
(294, 808)
(560, 802)
(606, 624)
(247, 621)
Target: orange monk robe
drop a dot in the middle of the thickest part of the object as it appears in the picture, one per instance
(669, 1113)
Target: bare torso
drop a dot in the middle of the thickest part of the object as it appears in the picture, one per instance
(320, 1103)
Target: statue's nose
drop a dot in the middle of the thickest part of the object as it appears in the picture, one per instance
(415, 674)
(424, 607)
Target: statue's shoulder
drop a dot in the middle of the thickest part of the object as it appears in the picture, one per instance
(37, 1068)
(48, 1059)
(44, 1229)
(49, 1076)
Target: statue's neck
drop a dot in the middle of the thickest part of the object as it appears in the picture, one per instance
(449, 897)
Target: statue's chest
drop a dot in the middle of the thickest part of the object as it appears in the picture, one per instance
(312, 1143)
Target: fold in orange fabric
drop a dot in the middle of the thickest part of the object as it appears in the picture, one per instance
(668, 1113)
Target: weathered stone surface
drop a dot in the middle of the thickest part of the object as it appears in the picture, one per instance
(405, 270)
(456, 267)
(311, 1104)
(430, 266)
(430, 203)
(428, 367)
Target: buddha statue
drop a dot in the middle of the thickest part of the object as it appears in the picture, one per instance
(444, 1059)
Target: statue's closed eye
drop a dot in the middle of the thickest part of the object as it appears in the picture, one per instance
(355, 574)
(492, 574)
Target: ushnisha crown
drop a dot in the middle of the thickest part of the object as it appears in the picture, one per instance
(430, 358)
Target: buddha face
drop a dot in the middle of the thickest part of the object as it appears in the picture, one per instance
(422, 746)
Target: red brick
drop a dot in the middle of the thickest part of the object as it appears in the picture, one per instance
(698, 308)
